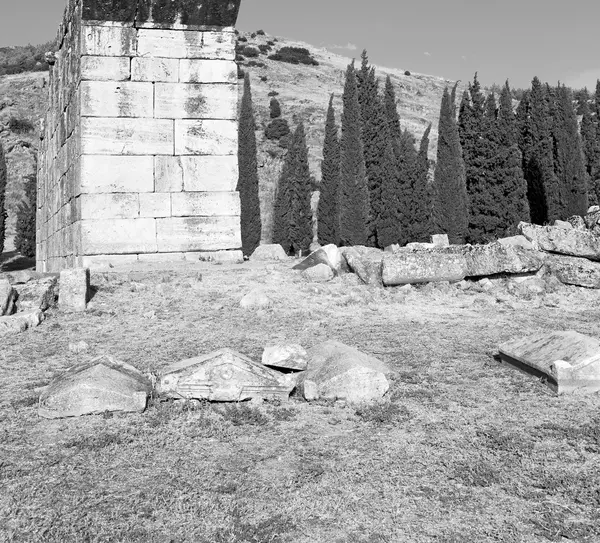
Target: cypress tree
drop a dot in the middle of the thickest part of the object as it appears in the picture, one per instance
(353, 194)
(328, 210)
(248, 174)
(3, 214)
(391, 112)
(421, 209)
(407, 179)
(26, 216)
(388, 219)
(450, 192)
(591, 150)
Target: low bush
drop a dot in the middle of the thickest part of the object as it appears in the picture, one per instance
(294, 55)
(271, 43)
(242, 39)
(249, 51)
(277, 129)
(407, 72)
(260, 32)
(273, 93)
(241, 73)
(274, 108)
(20, 126)
(264, 48)
(264, 78)
(256, 64)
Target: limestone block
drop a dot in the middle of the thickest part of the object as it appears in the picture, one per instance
(154, 69)
(168, 174)
(116, 99)
(329, 255)
(186, 44)
(15, 324)
(8, 298)
(120, 205)
(118, 236)
(205, 204)
(422, 267)
(94, 68)
(210, 173)
(365, 262)
(198, 233)
(289, 356)
(571, 270)
(155, 204)
(109, 174)
(206, 137)
(207, 71)
(558, 240)
(74, 289)
(39, 294)
(104, 262)
(108, 41)
(223, 375)
(268, 251)
(195, 101)
(320, 273)
(105, 136)
(103, 384)
(440, 240)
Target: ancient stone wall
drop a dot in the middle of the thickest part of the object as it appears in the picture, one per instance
(139, 153)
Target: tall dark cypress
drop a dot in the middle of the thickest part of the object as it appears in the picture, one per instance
(3, 215)
(353, 194)
(407, 176)
(388, 220)
(391, 111)
(328, 210)
(591, 150)
(248, 174)
(450, 192)
(421, 195)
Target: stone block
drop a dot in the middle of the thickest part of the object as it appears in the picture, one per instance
(559, 240)
(268, 251)
(320, 273)
(120, 205)
(8, 298)
(95, 68)
(210, 173)
(207, 71)
(118, 236)
(116, 99)
(440, 240)
(154, 69)
(168, 174)
(205, 204)
(38, 294)
(198, 233)
(74, 289)
(186, 44)
(15, 324)
(105, 136)
(195, 101)
(571, 270)
(155, 204)
(108, 41)
(365, 262)
(110, 174)
(289, 356)
(205, 137)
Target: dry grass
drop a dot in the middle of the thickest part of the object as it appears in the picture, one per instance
(461, 450)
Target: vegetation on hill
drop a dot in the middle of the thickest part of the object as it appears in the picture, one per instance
(28, 58)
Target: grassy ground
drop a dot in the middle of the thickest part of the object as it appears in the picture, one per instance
(462, 450)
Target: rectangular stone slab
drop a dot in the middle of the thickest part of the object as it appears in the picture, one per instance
(570, 359)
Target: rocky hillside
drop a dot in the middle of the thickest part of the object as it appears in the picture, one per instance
(303, 91)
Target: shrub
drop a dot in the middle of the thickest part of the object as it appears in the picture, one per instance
(242, 39)
(25, 237)
(260, 32)
(294, 55)
(271, 43)
(256, 64)
(20, 126)
(264, 48)
(274, 108)
(250, 51)
(241, 73)
(239, 58)
(277, 129)
(264, 78)
(253, 35)
(273, 93)
(406, 72)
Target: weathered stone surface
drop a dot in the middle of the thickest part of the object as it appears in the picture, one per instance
(440, 240)
(268, 251)
(209, 173)
(365, 262)
(186, 44)
(563, 224)
(155, 69)
(338, 371)
(320, 273)
(496, 258)
(416, 245)
(119, 205)
(290, 357)
(329, 255)
(423, 267)
(188, 234)
(204, 137)
(78, 347)
(592, 220)
(119, 236)
(19, 322)
(571, 270)
(570, 359)
(108, 41)
(577, 222)
(74, 289)
(110, 174)
(207, 71)
(217, 257)
(224, 376)
(20, 277)
(103, 384)
(94, 68)
(154, 204)
(558, 240)
(205, 204)
(516, 241)
(195, 101)
(256, 299)
(8, 298)
(117, 99)
(38, 294)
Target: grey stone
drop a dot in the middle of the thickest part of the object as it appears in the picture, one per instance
(495, 258)
(577, 223)
(570, 359)
(365, 262)
(78, 347)
(20, 277)
(563, 224)
(223, 376)
(416, 246)
(422, 267)
(268, 252)
(8, 298)
(222, 257)
(100, 385)
(558, 240)
(440, 240)
(256, 299)
(74, 289)
(516, 241)
(19, 322)
(571, 270)
(290, 356)
(329, 255)
(592, 219)
(38, 294)
(321, 273)
(340, 372)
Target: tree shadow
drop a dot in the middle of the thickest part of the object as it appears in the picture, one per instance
(13, 261)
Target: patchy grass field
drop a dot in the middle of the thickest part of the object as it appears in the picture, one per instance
(463, 449)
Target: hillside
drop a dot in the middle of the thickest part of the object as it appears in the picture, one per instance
(302, 90)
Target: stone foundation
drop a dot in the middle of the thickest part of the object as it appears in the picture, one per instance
(139, 153)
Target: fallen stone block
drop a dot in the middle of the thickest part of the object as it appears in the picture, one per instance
(566, 242)
(407, 267)
(329, 255)
(365, 262)
(570, 359)
(571, 270)
(38, 294)
(19, 322)
(340, 372)
(563, 224)
(440, 240)
(100, 385)
(416, 245)
(223, 376)
(321, 273)
(8, 298)
(20, 277)
(289, 357)
(74, 289)
(271, 251)
(496, 258)
(592, 219)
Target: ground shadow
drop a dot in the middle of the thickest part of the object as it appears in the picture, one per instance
(11, 261)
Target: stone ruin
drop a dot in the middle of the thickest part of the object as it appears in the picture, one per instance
(138, 159)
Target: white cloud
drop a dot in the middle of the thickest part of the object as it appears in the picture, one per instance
(348, 47)
(427, 53)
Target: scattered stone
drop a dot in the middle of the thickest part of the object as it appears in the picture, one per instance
(100, 385)
(485, 284)
(10, 326)
(289, 357)
(8, 298)
(495, 258)
(272, 251)
(38, 294)
(417, 246)
(224, 376)
(440, 240)
(516, 241)
(337, 371)
(563, 224)
(592, 220)
(422, 267)
(574, 271)
(20, 277)
(464, 285)
(74, 289)
(221, 257)
(577, 222)
(566, 242)
(570, 359)
(321, 273)
(78, 347)
(137, 287)
(365, 262)
(256, 299)
(149, 315)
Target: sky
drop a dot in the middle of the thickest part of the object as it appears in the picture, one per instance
(556, 40)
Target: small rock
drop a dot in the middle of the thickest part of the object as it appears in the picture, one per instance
(577, 222)
(20, 277)
(271, 251)
(78, 347)
(440, 240)
(38, 294)
(516, 241)
(320, 273)
(290, 356)
(464, 285)
(256, 299)
(74, 289)
(15, 324)
(485, 284)
(8, 298)
(137, 287)
(149, 315)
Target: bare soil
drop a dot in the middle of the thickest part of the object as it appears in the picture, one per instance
(462, 449)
